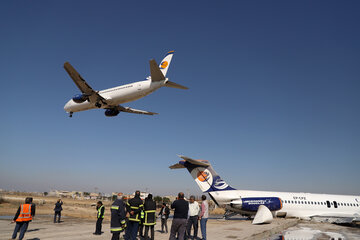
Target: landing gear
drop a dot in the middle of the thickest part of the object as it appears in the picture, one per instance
(228, 214)
(70, 114)
(98, 105)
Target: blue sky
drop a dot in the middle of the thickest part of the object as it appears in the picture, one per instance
(273, 100)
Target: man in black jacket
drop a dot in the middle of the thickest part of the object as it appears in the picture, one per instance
(57, 210)
(150, 216)
(100, 216)
(23, 216)
(164, 215)
(118, 219)
(134, 208)
(178, 225)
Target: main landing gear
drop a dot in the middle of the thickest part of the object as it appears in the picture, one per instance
(98, 105)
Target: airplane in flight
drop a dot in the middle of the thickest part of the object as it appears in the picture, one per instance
(110, 99)
(264, 205)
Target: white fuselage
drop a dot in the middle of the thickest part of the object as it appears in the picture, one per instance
(301, 205)
(118, 95)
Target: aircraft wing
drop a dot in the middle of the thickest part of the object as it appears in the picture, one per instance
(347, 218)
(84, 87)
(132, 110)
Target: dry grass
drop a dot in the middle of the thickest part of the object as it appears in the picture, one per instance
(45, 206)
(218, 211)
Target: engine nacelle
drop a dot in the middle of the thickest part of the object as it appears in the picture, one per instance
(252, 204)
(111, 112)
(79, 98)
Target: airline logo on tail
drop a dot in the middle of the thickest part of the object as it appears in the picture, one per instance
(203, 178)
(164, 64)
(220, 184)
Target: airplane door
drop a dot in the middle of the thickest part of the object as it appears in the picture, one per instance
(139, 86)
(328, 204)
(335, 204)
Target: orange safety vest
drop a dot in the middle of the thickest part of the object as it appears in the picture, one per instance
(25, 213)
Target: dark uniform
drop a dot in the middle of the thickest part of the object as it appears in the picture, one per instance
(57, 210)
(100, 217)
(134, 205)
(150, 216)
(118, 215)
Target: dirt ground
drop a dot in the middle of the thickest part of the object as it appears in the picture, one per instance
(75, 229)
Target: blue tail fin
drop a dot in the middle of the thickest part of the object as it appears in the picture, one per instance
(203, 173)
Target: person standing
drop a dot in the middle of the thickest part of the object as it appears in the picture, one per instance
(150, 216)
(204, 215)
(57, 210)
(100, 216)
(118, 218)
(178, 225)
(164, 215)
(194, 211)
(23, 216)
(134, 208)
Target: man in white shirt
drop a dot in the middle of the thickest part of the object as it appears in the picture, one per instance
(194, 211)
(204, 215)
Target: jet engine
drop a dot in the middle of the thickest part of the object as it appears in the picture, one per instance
(79, 98)
(110, 112)
(252, 204)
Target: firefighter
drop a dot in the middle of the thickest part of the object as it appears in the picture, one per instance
(141, 224)
(150, 216)
(134, 208)
(23, 216)
(100, 216)
(118, 219)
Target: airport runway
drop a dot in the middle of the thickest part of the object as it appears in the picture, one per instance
(79, 229)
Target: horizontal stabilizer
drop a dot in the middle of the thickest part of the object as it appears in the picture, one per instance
(156, 74)
(195, 162)
(175, 85)
(177, 166)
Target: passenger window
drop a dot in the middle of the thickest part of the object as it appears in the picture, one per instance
(312, 202)
(302, 202)
(292, 202)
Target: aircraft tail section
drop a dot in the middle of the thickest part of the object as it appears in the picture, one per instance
(165, 63)
(203, 173)
(155, 72)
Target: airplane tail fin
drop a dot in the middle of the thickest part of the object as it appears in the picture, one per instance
(165, 63)
(158, 73)
(203, 173)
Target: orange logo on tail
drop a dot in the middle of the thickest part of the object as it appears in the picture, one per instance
(164, 64)
(202, 176)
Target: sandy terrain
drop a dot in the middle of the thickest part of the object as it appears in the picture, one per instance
(74, 228)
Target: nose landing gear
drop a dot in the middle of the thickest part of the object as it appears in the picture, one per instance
(70, 114)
